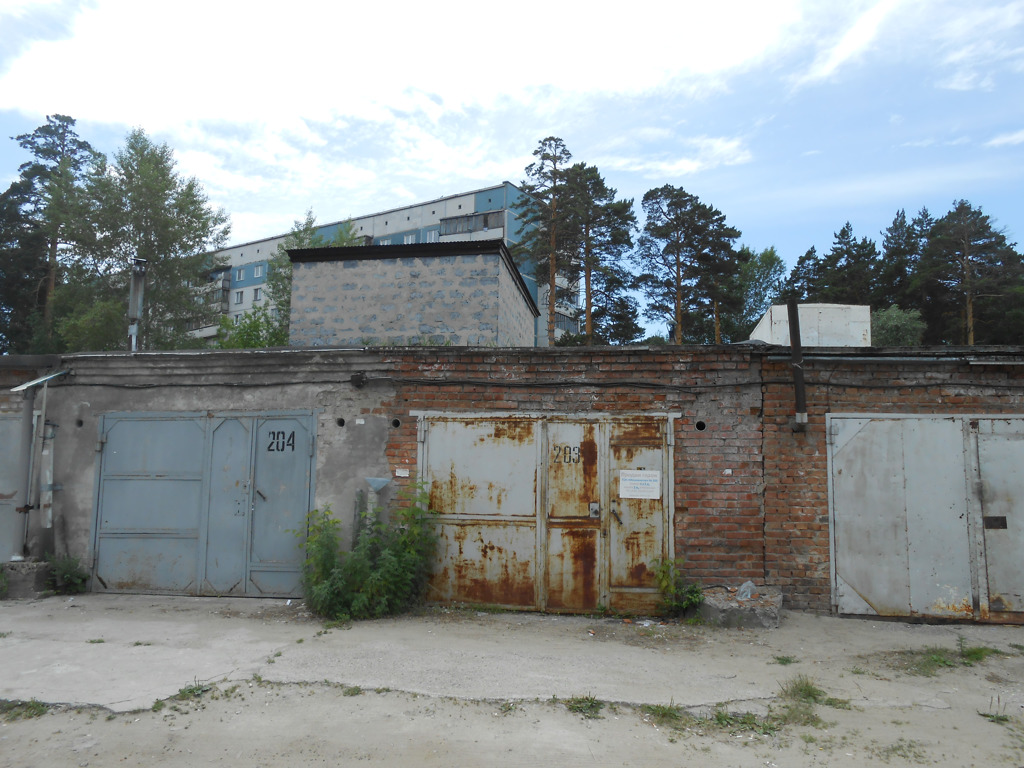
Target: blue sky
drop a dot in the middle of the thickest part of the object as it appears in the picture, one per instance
(790, 117)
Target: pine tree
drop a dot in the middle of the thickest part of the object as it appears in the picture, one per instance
(688, 264)
(542, 245)
(597, 232)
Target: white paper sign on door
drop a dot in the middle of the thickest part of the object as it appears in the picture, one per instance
(639, 484)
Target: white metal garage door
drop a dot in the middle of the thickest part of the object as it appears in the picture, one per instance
(926, 515)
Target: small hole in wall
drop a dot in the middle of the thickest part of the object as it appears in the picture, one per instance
(79, 422)
(340, 422)
(701, 426)
(396, 423)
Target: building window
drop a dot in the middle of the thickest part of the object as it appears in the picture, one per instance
(257, 294)
(257, 271)
(384, 241)
(239, 274)
(431, 236)
(473, 222)
(409, 239)
(239, 296)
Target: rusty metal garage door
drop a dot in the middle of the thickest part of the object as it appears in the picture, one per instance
(926, 516)
(552, 512)
(203, 503)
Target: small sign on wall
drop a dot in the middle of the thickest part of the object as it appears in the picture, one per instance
(639, 484)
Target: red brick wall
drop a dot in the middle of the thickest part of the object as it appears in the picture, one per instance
(796, 504)
(718, 469)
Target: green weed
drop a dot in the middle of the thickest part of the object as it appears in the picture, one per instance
(785, 660)
(67, 576)
(96, 640)
(22, 710)
(193, 691)
(387, 570)
(679, 596)
(587, 706)
(905, 749)
(351, 690)
(735, 722)
(670, 714)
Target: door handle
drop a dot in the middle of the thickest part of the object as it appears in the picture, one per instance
(260, 494)
(616, 514)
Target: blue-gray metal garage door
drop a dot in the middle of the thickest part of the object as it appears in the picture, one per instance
(203, 503)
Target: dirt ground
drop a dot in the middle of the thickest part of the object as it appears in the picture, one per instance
(261, 683)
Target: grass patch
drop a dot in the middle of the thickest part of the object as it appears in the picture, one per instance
(786, 660)
(22, 710)
(736, 722)
(927, 662)
(802, 688)
(96, 640)
(158, 705)
(587, 706)
(194, 691)
(351, 690)
(665, 715)
(906, 749)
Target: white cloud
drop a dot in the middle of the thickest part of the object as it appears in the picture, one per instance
(1006, 139)
(857, 39)
(706, 153)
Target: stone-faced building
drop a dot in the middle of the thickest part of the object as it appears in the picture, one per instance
(457, 293)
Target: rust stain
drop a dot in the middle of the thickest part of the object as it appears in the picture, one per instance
(962, 608)
(637, 546)
(646, 432)
(446, 495)
(584, 571)
(999, 603)
(588, 457)
(496, 495)
(515, 431)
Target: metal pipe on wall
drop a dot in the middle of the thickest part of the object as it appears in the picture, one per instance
(797, 363)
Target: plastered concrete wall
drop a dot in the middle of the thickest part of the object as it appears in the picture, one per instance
(456, 300)
(351, 428)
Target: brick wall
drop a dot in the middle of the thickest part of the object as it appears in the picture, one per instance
(716, 393)
(796, 504)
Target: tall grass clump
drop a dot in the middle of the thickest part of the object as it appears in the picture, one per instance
(386, 571)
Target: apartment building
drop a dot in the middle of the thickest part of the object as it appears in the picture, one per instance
(483, 214)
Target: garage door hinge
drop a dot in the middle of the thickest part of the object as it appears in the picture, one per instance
(421, 431)
(101, 442)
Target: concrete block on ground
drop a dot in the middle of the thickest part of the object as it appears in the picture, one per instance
(723, 608)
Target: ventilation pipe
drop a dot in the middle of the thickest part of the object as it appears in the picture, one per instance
(796, 362)
(135, 291)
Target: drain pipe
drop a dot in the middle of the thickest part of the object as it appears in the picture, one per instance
(23, 505)
(796, 362)
(32, 437)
